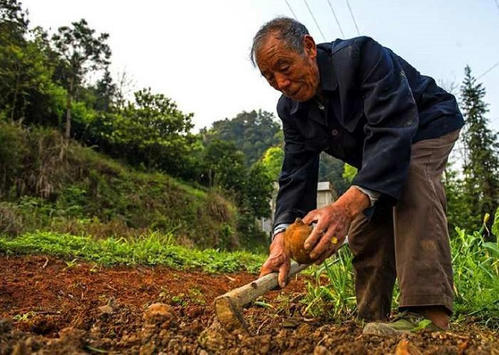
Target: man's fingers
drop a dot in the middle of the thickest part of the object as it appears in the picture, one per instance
(267, 268)
(313, 238)
(323, 245)
(310, 217)
(283, 273)
(264, 271)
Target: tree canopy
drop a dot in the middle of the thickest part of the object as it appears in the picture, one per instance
(481, 163)
(252, 133)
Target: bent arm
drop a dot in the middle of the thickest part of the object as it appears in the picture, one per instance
(392, 121)
(298, 179)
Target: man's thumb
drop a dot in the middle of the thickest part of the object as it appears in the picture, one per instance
(283, 274)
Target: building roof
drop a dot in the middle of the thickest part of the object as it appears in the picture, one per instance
(324, 186)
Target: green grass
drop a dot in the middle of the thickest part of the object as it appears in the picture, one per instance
(154, 249)
(336, 297)
(476, 282)
(476, 277)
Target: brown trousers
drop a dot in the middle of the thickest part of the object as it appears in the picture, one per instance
(409, 241)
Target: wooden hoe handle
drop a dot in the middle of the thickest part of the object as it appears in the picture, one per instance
(229, 305)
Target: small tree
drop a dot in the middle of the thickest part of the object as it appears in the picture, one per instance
(225, 167)
(81, 51)
(481, 167)
(272, 161)
(458, 211)
(259, 190)
(13, 18)
(105, 91)
(150, 131)
(252, 133)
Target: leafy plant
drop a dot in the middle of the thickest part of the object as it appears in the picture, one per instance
(476, 281)
(476, 275)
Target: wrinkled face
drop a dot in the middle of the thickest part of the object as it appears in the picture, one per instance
(295, 75)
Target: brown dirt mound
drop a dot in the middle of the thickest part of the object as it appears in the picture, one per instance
(49, 306)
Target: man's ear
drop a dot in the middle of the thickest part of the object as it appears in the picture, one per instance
(309, 46)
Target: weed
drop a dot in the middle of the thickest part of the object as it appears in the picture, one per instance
(196, 296)
(422, 325)
(476, 276)
(24, 317)
(71, 263)
(263, 304)
(476, 281)
(179, 299)
(331, 291)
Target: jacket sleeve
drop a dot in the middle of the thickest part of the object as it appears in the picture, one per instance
(392, 121)
(298, 179)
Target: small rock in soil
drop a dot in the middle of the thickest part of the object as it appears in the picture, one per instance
(106, 309)
(147, 349)
(404, 347)
(320, 350)
(159, 312)
(213, 338)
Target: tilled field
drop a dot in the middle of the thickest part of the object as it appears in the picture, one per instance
(49, 306)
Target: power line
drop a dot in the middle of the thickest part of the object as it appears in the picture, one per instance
(336, 18)
(315, 20)
(353, 17)
(291, 9)
(487, 71)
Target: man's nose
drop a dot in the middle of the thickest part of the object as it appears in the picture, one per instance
(281, 81)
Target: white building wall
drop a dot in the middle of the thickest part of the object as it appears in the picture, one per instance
(325, 196)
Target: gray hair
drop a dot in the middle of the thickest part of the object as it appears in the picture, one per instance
(290, 31)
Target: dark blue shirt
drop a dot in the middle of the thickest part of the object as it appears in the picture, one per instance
(372, 107)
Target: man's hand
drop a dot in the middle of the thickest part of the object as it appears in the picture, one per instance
(329, 232)
(332, 223)
(278, 260)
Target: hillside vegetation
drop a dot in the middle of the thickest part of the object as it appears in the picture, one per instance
(50, 184)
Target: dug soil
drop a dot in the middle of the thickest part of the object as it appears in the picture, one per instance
(49, 306)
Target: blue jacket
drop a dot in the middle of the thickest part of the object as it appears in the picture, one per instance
(374, 106)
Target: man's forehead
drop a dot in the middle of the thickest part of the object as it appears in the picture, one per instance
(274, 49)
(274, 42)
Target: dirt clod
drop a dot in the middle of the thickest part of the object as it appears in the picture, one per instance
(404, 347)
(320, 350)
(159, 313)
(106, 309)
(213, 337)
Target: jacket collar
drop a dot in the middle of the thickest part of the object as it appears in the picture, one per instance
(327, 77)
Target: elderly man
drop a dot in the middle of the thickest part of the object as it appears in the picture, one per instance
(362, 103)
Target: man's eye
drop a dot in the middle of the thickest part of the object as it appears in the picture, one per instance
(269, 78)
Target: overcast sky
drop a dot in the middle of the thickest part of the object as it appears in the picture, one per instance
(196, 52)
